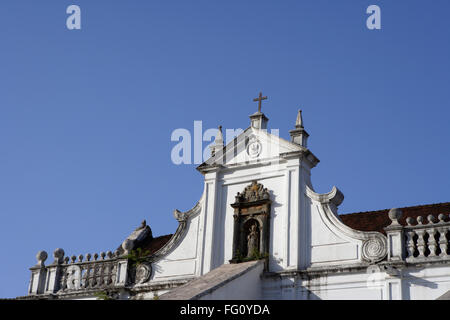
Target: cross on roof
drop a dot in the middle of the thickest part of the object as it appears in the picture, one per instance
(260, 99)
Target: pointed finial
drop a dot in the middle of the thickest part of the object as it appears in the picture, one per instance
(299, 134)
(219, 137)
(218, 142)
(299, 121)
(142, 226)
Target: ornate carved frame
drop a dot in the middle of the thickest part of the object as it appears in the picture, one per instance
(253, 203)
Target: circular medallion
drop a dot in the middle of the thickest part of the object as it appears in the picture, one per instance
(143, 273)
(374, 249)
(254, 148)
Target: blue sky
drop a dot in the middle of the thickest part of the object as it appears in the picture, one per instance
(86, 115)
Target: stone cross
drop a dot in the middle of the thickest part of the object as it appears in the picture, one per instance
(260, 99)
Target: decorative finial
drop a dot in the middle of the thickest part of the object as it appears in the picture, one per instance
(218, 145)
(219, 136)
(41, 256)
(395, 214)
(58, 254)
(127, 246)
(299, 121)
(299, 134)
(142, 226)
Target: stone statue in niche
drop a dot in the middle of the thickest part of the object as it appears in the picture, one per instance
(251, 216)
(252, 241)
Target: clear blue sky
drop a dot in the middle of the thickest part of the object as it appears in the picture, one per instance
(86, 116)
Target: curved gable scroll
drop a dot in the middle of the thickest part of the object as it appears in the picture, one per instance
(372, 246)
(183, 219)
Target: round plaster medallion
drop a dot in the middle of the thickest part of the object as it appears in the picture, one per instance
(374, 249)
(254, 148)
(143, 273)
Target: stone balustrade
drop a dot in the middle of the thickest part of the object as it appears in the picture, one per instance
(71, 274)
(421, 240)
(427, 240)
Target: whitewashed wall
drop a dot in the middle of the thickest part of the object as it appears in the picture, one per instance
(245, 287)
(411, 284)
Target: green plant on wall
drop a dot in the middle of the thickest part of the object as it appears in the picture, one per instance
(255, 255)
(102, 295)
(137, 256)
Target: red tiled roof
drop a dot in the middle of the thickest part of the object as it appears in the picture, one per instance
(149, 243)
(155, 244)
(378, 220)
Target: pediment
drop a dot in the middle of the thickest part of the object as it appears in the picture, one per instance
(252, 145)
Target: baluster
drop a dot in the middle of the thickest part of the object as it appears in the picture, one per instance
(110, 270)
(432, 245)
(64, 279)
(102, 255)
(83, 276)
(420, 243)
(92, 282)
(113, 273)
(95, 275)
(443, 242)
(410, 243)
(100, 275)
(420, 238)
(106, 274)
(91, 276)
(105, 270)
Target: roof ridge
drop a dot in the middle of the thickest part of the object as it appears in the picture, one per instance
(410, 207)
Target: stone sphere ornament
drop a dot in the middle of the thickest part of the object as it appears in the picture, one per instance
(409, 221)
(58, 254)
(41, 256)
(395, 214)
(127, 245)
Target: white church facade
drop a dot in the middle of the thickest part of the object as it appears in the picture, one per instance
(260, 231)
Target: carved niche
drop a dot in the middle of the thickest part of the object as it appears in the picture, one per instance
(251, 223)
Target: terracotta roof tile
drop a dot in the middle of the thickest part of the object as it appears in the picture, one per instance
(378, 220)
(154, 244)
